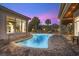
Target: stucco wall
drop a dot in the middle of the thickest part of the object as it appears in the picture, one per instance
(3, 29)
(3, 34)
(16, 36)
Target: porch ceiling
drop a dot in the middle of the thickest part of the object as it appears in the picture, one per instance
(71, 10)
(64, 10)
(66, 21)
(68, 10)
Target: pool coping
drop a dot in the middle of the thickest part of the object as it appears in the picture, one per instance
(14, 43)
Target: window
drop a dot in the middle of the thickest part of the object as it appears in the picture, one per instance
(10, 25)
(18, 25)
(15, 25)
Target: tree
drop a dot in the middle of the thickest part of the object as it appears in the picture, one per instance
(55, 27)
(48, 22)
(35, 22)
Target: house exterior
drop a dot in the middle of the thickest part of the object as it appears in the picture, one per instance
(12, 24)
(69, 16)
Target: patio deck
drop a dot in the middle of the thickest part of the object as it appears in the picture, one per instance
(58, 46)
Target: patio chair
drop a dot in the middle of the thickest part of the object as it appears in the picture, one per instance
(75, 38)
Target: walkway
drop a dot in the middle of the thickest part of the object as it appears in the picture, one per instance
(58, 46)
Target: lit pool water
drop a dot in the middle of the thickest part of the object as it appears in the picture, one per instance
(37, 41)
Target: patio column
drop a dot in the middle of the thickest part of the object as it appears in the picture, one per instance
(76, 22)
(26, 27)
(27, 24)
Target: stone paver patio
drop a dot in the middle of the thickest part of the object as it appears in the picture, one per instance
(58, 46)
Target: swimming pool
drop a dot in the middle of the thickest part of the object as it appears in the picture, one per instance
(37, 41)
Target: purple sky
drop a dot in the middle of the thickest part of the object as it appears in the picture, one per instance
(42, 10)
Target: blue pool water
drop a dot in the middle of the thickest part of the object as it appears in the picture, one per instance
(37, 41)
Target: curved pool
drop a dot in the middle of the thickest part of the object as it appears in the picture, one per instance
(37, 41)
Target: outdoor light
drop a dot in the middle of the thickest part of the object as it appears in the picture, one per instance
(73, 7)
(32, 29)
(44, 29)
(69, 13)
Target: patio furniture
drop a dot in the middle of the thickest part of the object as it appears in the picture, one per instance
(75, 39)
(78, 40)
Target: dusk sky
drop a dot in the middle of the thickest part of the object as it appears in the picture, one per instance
(42, 10)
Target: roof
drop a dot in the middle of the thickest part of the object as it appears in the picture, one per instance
(65, 8)
(61, 9)
(13, 12)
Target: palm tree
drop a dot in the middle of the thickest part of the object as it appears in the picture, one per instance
(35, 22)
(48, 22)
